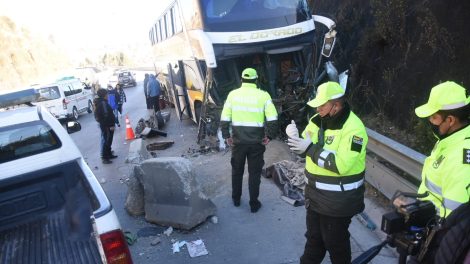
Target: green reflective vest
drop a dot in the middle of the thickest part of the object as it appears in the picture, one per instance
(446, 172)
(247, 108)
(347, 145)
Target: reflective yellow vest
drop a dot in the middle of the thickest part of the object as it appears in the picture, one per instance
(340, 143)
(446, 172)
(247, 108)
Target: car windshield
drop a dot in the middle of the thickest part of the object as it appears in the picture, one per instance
(48, 93)
(26, 139)
(124, 74)
(250, 15)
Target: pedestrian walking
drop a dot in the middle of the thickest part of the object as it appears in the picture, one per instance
(334, 142)
(105, 117)
(146, 80)
(253, 117)
(113, 99)
(122, 98)
(153, 93)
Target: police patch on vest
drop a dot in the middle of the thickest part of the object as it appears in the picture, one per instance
(329, 139)
(438, 162)
(356, 143)
(466, 156)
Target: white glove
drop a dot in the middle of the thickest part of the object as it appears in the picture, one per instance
(292, 131)
(299, 145)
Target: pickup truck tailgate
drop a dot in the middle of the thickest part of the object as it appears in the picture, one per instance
(46, 241)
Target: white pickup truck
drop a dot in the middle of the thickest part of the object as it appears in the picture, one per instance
(52, 208)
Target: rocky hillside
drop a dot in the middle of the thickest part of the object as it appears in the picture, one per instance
(26, 58)
(397, 51)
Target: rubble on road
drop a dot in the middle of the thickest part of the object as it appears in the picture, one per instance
(289, 176)
(196, 248)
(160, 145)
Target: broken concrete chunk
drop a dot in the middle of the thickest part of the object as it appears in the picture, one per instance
(135, 193)
(137, 152)
(161, 145)
(172, 195)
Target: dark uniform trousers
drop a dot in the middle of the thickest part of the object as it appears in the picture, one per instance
(254, 154)
(326, 233)
(106, 141)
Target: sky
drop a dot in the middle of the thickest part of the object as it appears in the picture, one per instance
(87, 25)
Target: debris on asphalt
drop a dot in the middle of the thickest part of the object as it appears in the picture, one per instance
(161, 145)
(214, 219)
(156, 241)
(150, 231)
(290, 201)
(289, 176)
(102, 180)
(177, 246)
(366, 221)
(196, 248)
(130, 238)
(168, 231)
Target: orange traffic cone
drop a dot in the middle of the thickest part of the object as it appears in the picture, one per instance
(129, 132)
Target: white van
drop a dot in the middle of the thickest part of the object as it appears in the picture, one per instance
(66, 98)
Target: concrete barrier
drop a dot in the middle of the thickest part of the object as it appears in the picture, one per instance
(171, 194)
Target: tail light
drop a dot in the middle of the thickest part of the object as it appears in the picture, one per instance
(115, 248)
(65, 102)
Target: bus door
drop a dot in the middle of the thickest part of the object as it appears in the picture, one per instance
(180, 93)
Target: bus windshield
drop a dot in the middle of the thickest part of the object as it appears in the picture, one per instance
(250, 15)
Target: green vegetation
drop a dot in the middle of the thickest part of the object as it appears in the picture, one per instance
(397, 51)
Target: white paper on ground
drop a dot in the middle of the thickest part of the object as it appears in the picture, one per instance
(196, 248)
(177, 245)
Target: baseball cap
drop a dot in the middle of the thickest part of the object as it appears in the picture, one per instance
(444, 96)
(249, 74)
(326, 92)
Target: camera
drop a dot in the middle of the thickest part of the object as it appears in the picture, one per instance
(409, 228)
(409, 225)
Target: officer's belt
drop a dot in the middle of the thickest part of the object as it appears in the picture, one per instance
(335, 184)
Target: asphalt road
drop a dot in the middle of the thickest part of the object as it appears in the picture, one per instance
(273, 235)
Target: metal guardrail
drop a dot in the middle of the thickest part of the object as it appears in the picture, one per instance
(384, 178)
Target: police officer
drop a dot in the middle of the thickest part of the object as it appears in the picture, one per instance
(334, 142)
(446, 172)
(253, 117)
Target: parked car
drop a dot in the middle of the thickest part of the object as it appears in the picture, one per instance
(126, 78)
(52, 207)
(66, 98)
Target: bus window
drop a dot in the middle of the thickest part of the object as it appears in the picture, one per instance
(249, 15)
(160, 35)
(176, 20)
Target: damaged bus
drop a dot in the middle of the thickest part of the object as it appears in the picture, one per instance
(202, 46)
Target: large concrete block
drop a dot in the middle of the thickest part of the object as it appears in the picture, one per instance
(135, 193)
(172, 195)
(137, 152)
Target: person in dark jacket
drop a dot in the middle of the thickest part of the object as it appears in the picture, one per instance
(105, 117)
(113, 99)
(334, 142)
(153, 93)
(146, 81)
(249, 110)
(122, 98)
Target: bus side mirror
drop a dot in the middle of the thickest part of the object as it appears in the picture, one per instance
(328, 43)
